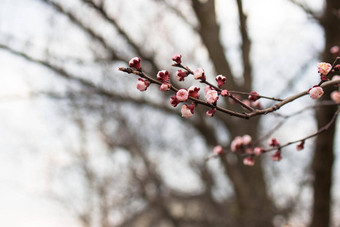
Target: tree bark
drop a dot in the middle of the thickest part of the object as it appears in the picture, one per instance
(324, 148)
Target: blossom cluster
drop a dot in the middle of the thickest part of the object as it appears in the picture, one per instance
(212, 93)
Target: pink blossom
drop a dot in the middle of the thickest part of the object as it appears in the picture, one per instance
(135, 63)
(257, 104)
(182, 95)
(236, 144)
(324, 68)
(246, 140)
(187, 111)
(206, 89)
(220, 80)
(335, 96)
(253, 96)
(335, 50)
(211, 113)
(180, 75)
(193, 92)
(225, 92)
(249, 161)
(277, 156)
(142, 85)
(316, 92)
(300, 146)
(211, 96)
(163, 76)
(165, 87)
(218, 150)
(177, 58)
(273, 142)
(173, 101)
(258, 151)
(199, 74)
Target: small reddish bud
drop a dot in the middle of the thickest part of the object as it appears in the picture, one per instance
(193, 92)
(211, 113)
(199, 74)
(163, 76)
(187, 110)
(225, 92)
(220, 80)
(218, 150)
(180, 75)
(165, 87)
(273, 142)
(337, 67)
(135, 63)
(246, 140)
(315, 92)
(182, 95)
(324, 68)
(335, 96)
(211, 96)
(177, 58)
(257, 104)
(335, 50)
(173, 101)
(258, 151)
(253, 96)
(249, 161)
(277, 156)
(142, 85)
(300, 146)
(236, 144)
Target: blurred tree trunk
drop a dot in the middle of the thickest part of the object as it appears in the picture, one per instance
(324, 148)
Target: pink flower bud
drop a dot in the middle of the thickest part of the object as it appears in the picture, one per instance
(177, 58)
(324, 68)
(236, 144)
(300, 146)
(163, 76)
(316, 92)
(273, 142)
(211, 96)
(337, 67)
(142, 85)
(277, 156)
(211, 113)
(335, 50)
(180, 75)
(246, 140)
(225, 92)
(220, 80)
(249, 161)
(187, 111)
(193, 92)
(258, 151)
(218, 150)
(335, 96)
(173, 101)
(253, 96)
(135, 63)
(257, 104)
(165, 87)
(182, 95)
(199, 74)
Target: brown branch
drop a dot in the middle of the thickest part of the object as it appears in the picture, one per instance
(246, 43)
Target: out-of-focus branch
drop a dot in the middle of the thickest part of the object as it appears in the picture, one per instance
(307, 10)
(59, 8)
(88, 84)
(210, 34)
(99, 9)
(245, 45)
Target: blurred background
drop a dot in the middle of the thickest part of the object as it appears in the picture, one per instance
(81, 146)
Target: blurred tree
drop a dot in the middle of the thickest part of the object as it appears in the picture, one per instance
(136, 192)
